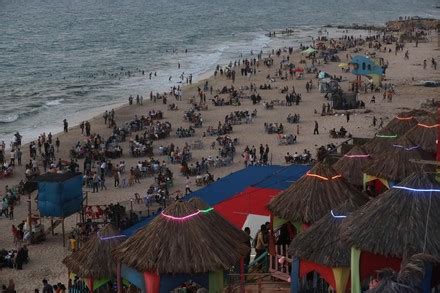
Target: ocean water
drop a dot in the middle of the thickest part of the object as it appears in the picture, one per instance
(70, 59)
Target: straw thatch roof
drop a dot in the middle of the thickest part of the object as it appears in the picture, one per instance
(310, 198)
(321, 243)
(217, 220)
(400, 222)
(94, 258)
(424, 134)
(402, 123)
(394, 164)
(352, 164)
(410, 277)
(382, 141)
(174, 244)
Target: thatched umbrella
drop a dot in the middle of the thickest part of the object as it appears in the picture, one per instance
(181, 240)
(383, 140)
(217, 220)
(424, 134)
(402, 123)
(394, 164)
(313, 195)
(321, 244)
(94, 260)
(352, 164)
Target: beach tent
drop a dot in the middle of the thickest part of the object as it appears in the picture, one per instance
(308, 51)
(393, 165)
(93, 261)
(403, 221)
(323, 74)
(182, 243)
(320, 249)
(352, 164)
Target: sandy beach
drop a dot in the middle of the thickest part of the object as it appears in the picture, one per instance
(45, 258)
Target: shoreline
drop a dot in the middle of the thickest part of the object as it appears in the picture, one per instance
(30, 134)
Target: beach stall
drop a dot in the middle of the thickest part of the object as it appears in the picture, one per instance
(320, 249)
(178, 245)
(392, 166)
(403, 221)
(352, 164)
(93, 262)
(424, 134)
(305, 202)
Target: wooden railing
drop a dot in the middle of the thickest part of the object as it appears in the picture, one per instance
(280, 262)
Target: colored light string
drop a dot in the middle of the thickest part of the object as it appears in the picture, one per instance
(337, 216)
(111, 237)
(416, 190)
(428, 126)
(187, 216)
(386, 136)
(406, 149)
(356, 156)
(404, 118)
(322, 177)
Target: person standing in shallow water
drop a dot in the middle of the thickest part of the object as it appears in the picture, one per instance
(66, 125)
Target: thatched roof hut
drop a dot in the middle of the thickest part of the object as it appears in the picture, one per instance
(394, 164)
(403, 221)
(352, 164)
(402, 123)
(424, 134)
(382, 141)
(313, 195)
(217, 220)
(181, 240)
(94, 258)
(321, 243)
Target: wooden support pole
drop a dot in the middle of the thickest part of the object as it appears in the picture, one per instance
(118, 277)
(64, 235)
(241, 275)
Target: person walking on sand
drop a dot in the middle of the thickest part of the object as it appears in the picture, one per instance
(57, 144)
(348, 116)
(316, 130)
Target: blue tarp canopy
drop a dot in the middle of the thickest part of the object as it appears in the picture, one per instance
(274, 177)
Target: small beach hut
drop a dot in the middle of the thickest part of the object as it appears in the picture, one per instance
(352, 165)
(179, 244)
(424, 134)
(403, 221)
(392, 166)
(216, 219)
(93, 261)
(382, 141)
(320, 248)
(312, 196)
(402, 123)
